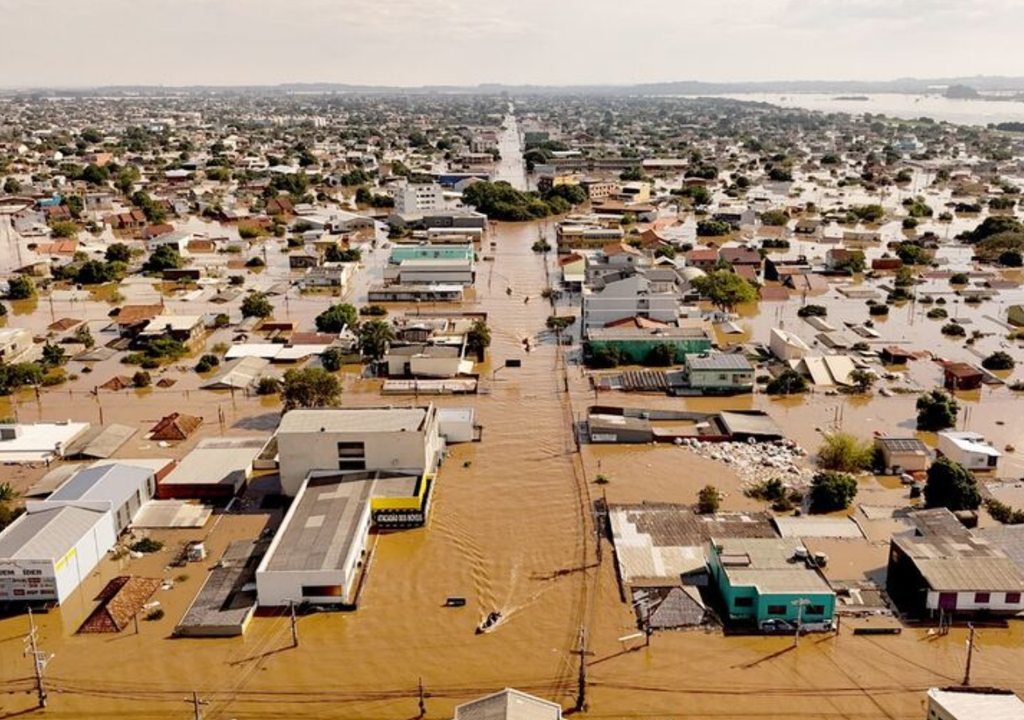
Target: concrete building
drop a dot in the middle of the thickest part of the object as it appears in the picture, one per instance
(770, 579)
(46, 553)
(970, 449)
(508, 705)
(317, 552)
(357, 440)
(967, 703)
(943, 569)
(14, 342)
(37, 442)
(334, 275)
(118, 489)
(627, 297)
(903, 455)
(418, 198)
(432, 272)
(720, 373)
(217, 469)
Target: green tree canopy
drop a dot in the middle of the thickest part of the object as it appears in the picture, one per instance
(257, 305)
(725, 289)
(336, 318)
(951, 485)
(832, 491)
(936, 410)
(311, 387)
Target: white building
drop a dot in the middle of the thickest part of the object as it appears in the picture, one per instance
(787, 346)
(46, 553)
(317, 552)
(118, 489)
(424, 271)
(355, 440)
(974, 704)
(509, 704)
(970, 449)
(412, 198)
(331, 274)
(629, 297)
(14, 342)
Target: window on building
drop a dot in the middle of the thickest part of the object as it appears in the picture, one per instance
(981, 598)
(1013, 598)
(814, 610)
(323, 591)
(351, 456)
(743, 602)
(776, 609)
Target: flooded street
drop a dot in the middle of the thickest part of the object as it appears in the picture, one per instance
(510, 530)
(511, 527)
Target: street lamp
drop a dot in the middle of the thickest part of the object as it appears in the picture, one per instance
(800, 605)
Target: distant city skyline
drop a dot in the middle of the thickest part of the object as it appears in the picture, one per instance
(62, 43)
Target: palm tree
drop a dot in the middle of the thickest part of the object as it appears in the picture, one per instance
(375, 336)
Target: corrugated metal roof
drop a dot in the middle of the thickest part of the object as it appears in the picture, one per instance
(48, 534)
(110, 483)
(354, 420)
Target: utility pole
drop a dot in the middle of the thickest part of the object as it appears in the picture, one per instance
(422, 699)
(39, 659)
(581, 683)
(295, 624)
(799, 618)
(970, 654)
(197, 705)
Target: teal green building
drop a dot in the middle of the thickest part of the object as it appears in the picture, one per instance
(769, 579)
(635, 344)
(431, 252)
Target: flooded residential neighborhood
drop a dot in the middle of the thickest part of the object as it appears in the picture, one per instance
(677, 399)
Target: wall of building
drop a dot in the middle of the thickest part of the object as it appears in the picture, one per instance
(722, 379)
(637, 351)
(968, 602)
(275, 588)
(412, 452)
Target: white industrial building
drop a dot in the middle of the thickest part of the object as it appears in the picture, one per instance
(354, 440)
(46, 553)
(970, 449)
(118, 489)
(316, 554)
(428, 271)
(966, 703)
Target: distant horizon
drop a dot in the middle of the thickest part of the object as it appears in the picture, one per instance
(904, 83)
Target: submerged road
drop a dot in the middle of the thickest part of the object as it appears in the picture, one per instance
(511, 168)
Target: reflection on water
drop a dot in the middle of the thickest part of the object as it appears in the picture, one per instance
(907, 107)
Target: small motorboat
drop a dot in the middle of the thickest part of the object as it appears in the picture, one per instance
(455, 601)
(489, 622)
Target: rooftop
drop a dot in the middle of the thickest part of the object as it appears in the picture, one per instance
(322, 524)
(770, 565)
(363, 420)
(108, 483)
(47, 534)
(964, 704)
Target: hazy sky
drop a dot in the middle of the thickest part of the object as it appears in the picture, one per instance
(416, 42)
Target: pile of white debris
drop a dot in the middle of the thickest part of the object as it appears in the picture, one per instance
(756, 463)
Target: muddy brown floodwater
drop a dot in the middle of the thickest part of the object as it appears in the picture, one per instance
(511, 530)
